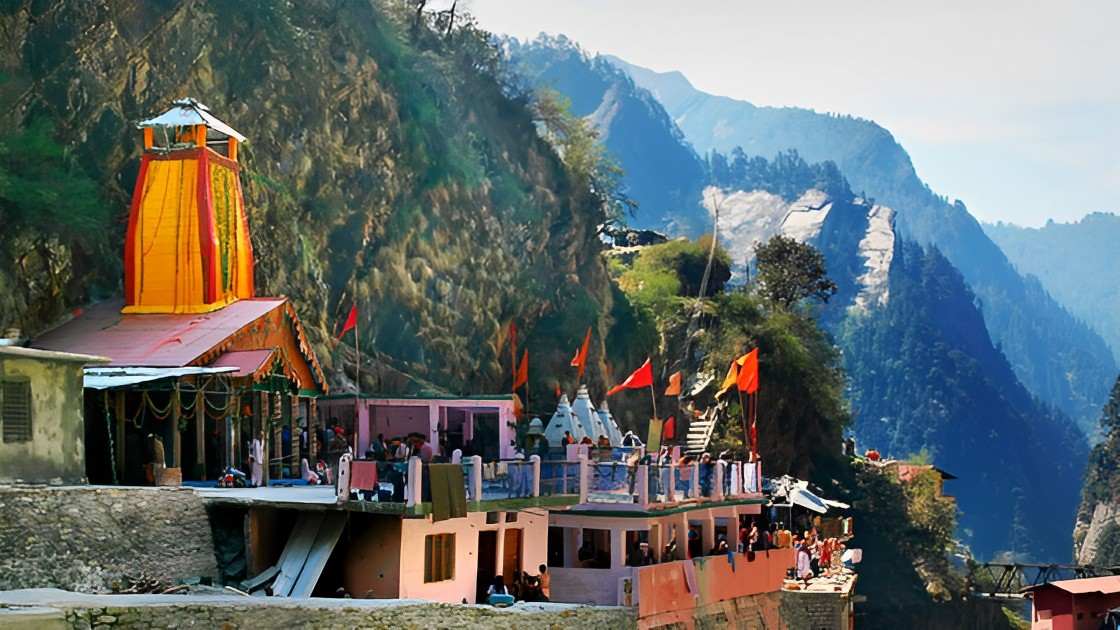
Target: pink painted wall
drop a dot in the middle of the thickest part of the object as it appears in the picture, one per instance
(534, 534)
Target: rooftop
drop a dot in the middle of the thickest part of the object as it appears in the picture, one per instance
(1107, 585)
(50, 355)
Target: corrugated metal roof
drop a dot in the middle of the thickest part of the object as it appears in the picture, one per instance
(108, 378)
(186, 112)
(245, 362)
(1108, 585)
(155, 339)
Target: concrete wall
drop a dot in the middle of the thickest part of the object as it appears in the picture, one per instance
(807, 610)
(89, 538)
(534, 551)
(254, 613)
(56, 452)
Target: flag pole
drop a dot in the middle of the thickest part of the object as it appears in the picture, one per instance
(746, 425)
(357, 373)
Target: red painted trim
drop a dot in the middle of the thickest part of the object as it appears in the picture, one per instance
(221, 159)
(130, 271)
(178, 154)
(245, 231)
(207, 232)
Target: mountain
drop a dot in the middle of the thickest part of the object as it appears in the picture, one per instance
(662, 172)
(386, 166)
(1072, 261)
(1096, 537)
(1057, 357)
(923, 372)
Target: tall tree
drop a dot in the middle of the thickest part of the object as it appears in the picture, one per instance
(790, 271)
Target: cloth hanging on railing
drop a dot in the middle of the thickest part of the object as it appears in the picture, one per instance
(449, 493)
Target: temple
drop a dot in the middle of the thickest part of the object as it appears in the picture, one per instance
(194, 359)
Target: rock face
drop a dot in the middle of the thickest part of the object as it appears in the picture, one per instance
(1096, 536)
(89, 539)
(384, 164)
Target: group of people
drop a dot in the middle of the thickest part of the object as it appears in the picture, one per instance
(816, 555)
(524, 587)
(400, 449)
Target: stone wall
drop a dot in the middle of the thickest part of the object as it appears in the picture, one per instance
(803, 610)
(313, 616)
(90, 538)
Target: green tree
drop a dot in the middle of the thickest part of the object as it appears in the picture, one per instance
(790, 271)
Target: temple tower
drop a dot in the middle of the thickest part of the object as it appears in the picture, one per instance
(187, 249)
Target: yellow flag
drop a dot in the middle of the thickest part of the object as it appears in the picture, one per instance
(730, 380)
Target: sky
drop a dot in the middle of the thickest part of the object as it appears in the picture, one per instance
(1012, 107)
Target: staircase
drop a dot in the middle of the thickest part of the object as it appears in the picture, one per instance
(700, 432)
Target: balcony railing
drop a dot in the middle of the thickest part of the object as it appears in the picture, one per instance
(588, 482)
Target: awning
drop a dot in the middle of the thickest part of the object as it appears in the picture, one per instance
(109, 378)
(187, 112)
(836, 504)
(245, 362)
(807, 500)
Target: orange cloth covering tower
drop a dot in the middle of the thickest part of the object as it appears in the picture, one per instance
(187, 249)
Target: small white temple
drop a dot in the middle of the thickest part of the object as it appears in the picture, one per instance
(588, 417)
(607, 419)
(564, 421)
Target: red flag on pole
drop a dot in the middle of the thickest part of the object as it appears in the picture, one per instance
(674, 388)
(351, 321)
(669, 431)
(748, 374)
(522, 371)
(580, 360)
(642, 377)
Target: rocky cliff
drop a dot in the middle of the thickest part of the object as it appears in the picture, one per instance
(387, 163)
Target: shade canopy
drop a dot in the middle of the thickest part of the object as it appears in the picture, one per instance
(109, 378)
(187, 112)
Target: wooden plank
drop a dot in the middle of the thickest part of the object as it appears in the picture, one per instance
(200, 432)
(260, 579)
(325, 541)
(295, 552)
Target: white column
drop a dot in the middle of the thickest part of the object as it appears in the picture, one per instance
(618, 548)
(708, 532)
(671, 491)
(695, 486)
(736, 479)
(535, 462)
(412, 488)
(584, 479)
(717, 486)
(476, 477)
(643, 485)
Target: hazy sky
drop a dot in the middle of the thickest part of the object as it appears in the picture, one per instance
(1013, 107)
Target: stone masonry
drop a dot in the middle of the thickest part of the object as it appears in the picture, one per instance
(89, 538)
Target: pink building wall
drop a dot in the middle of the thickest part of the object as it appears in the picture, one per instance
(534, 551)
(395, 417)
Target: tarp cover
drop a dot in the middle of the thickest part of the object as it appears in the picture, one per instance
(187, 112)
(108, 378)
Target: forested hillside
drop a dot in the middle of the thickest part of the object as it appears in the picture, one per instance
(389, 161)
(1074, 371)
(923, 373)
(1075, 262)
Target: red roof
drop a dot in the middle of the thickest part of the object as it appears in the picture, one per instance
(152, 339)
(1107, 585)
(247, 362)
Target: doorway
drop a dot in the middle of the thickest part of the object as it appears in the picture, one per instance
(487, 563)
(512, 554)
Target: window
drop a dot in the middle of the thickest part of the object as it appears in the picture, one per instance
(439, 557)
(511, 517)
(15, 410)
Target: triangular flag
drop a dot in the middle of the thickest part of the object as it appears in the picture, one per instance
(674, 388)
(522, 371)
(642, 377)
(580, 360)
(748, 373)
(351, 321)
(669, 431)
(730, 380)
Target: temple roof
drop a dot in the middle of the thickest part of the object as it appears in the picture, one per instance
(187, 112)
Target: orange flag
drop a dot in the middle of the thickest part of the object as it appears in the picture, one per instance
(522, 371)
(674, 388)
(642, 377)
(580, 360)
(351, 321)
(748, 373)
(730, 380)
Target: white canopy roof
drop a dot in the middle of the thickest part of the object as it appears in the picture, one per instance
(108, 378)
(186, 112)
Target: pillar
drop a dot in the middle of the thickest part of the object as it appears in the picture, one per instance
(680, 522)
(476, 477)
(118, 436)
(200, 432)
(414, 484)
(535, 462)
(176, 436)
(618, 548)
(708, 531)
(313, 431)
(694, 487)
(655, 536)
(642, 481)
(584, 478)
(717, 481)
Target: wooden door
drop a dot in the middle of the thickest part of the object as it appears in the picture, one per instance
(512, 554)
